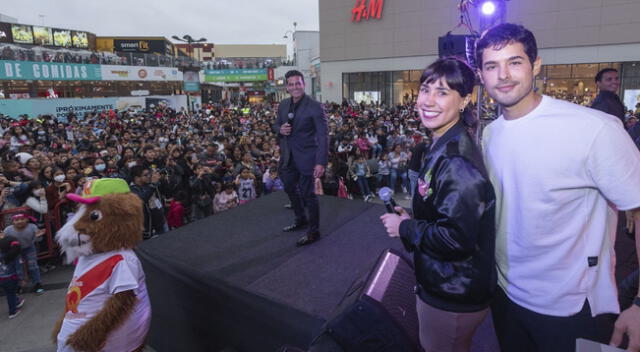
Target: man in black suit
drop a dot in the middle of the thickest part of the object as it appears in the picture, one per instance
(608, 82)
(303, 133)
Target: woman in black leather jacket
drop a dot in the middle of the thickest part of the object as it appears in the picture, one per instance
(452, 233)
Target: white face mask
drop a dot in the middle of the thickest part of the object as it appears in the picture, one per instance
(39, 192)
(131, 164)
(59, 178)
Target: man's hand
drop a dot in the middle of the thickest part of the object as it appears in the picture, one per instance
(318, 171)
(392, 221)
(628, 322)
(40, 232)
(285, 129)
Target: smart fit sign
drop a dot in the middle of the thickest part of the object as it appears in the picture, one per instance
(366, 9)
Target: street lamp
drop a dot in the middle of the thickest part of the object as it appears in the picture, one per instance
(189, 40)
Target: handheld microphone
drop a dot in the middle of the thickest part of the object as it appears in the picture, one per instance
(386, 196)
(290, 117)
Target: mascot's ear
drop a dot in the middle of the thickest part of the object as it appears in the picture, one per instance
(121, 225)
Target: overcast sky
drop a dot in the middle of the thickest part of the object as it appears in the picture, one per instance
(220, 21)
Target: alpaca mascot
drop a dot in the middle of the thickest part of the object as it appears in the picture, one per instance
(107, 304)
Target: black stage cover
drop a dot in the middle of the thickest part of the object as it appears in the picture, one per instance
(236, 280)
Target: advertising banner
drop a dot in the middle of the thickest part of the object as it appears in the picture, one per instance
(62, 37)
(42, 35)
(48, 71)
(156, 46)
(55, 107)
(191, 81)
(79, 39)
(22, 34)
(5, 33)
(80, 106)
(237, 75)
(139, 73)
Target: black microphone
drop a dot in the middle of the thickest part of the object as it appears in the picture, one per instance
(386, 195)
(290, 117)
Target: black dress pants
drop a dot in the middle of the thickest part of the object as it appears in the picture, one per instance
(522, 330)
(301, 191)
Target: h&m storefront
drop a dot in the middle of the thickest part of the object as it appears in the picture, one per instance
(381, 57)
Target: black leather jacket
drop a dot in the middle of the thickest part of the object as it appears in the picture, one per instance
(452, 235)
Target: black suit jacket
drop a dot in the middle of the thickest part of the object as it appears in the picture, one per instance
(610, 103)
(308, 142)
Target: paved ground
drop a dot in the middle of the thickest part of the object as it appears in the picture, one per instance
(31, 330)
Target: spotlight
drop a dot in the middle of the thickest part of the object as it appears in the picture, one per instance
(488, 8)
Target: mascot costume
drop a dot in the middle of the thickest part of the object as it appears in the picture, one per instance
(107, 303)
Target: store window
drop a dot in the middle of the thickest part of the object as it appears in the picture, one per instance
(631, 86)
(574, 83)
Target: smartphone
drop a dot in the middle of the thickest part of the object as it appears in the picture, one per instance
(62, 189)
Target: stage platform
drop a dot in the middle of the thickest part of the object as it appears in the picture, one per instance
(235, 280)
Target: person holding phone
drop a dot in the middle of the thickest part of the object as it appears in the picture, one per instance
(58, 189)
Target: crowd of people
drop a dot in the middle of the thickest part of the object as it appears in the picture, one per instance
(188, 166)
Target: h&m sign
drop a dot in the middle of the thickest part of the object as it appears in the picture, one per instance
(366, 9)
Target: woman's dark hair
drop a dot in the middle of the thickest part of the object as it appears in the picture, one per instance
(504, 34)
(459, 77)
(67, 163)
(136, 171)
(56, 169)
(42, 176)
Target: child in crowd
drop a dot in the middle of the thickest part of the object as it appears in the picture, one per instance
(273, 182)
(360, 172)
(26, 233)
(175, 216)
(246, 183)
(9, 279)
(225, 200)
(384, 170)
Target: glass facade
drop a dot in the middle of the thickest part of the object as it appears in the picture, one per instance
(572, 82)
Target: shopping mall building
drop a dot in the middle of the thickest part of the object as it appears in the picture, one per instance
(376, 49)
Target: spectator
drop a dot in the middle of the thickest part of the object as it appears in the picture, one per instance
(398, 159)
(26, 233)
(9, 280)
(58, 189)
(227, 199)
(33, 196)
(175, 216)
(203, 192)
(359, 171)
(273, 182)
(246, 183)
(145, 185)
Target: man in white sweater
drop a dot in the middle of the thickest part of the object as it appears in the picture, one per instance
(560, 172)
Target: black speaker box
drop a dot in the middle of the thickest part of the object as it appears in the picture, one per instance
(461, 46)
(378, 312)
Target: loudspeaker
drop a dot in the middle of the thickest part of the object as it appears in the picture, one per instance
(378, 312)
(461, 46)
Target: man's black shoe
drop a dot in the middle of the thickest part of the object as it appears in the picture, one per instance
(309, 238)
(296, 226)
